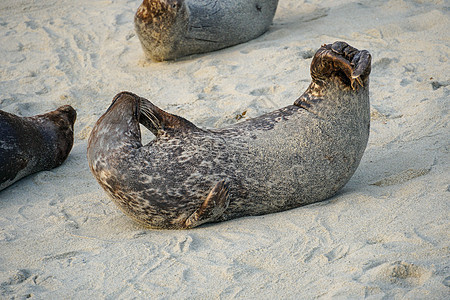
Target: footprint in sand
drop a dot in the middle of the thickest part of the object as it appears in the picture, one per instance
(63, 256)
(307, 54)
(182, 244)
(264, 91)
(383, 63)
(404, 273)
(337, 253)
(401, 177)
(446, 282)
(438, 84)
(397, 273)
(19, 277)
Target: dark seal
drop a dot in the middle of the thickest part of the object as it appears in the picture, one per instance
(32, 144)
(170, 29)
(297, 155)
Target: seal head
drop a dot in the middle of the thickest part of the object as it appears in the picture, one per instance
(32, 144)
(63, 118)
(159, 25)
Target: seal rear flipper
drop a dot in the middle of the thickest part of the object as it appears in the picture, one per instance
(157, 121)
(337, 63)
(342, 61)
(215, 204)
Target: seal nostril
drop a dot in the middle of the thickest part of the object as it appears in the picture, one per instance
(258, 7)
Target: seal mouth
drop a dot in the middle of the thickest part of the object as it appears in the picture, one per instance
(70, 112)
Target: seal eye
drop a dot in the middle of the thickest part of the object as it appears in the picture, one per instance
(174, 5)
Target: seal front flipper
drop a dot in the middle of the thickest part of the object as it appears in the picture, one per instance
(157, 121)
(215, 204)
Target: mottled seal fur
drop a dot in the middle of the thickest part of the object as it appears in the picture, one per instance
(299, 154)
(169, 29)
(32, 144)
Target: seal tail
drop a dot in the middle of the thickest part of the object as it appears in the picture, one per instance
(158, 121)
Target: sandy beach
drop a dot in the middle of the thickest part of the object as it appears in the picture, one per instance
(386, 235)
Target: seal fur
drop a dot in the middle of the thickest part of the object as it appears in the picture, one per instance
(170, 29)
(32, 144)
(187, 176)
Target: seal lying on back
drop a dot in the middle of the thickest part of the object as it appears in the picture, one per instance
(32, 144)
(169, 29)
(299, 154)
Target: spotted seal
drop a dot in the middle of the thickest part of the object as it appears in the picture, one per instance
(187, 176)
(170, 29)
(32, 144)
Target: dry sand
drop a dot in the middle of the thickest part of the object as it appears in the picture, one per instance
(384, 236)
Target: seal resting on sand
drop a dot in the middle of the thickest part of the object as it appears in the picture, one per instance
(169, 29)
(33, 144)
(297, 155)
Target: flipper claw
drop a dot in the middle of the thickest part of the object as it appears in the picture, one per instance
(157, 121)
(342, 61)
(214, 205)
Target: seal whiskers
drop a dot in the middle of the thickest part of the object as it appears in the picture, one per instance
(187, 176)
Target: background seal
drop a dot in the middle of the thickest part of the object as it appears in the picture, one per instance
(169, 29)
(297, 155)
(32, 144)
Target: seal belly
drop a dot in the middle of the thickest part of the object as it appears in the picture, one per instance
(297, 162)
(218, 24)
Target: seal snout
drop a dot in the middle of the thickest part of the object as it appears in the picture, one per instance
(143, 11)
(65, 117)
(69, 112)
(149, 9)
